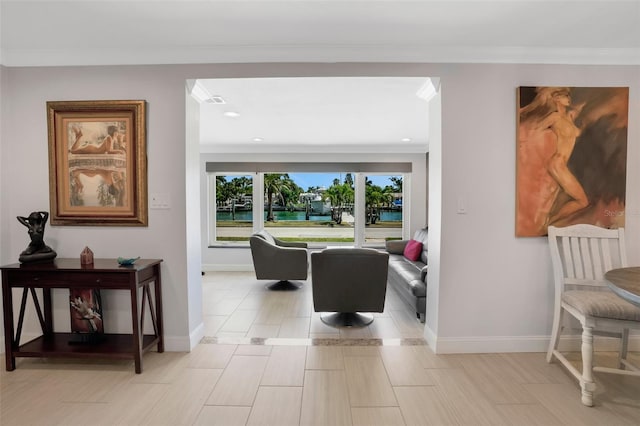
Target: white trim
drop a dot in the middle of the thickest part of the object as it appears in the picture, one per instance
(258, 202)
(196, 336)
(359, 208)
(431, 338)
(505, 344)
(416, 53)
(226, 267)
(211, 207)
(176, 344)
(309, 148)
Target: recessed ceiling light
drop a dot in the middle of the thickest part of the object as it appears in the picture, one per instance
(258, 139)
(215, 99)
(231, 114)
(406, 139)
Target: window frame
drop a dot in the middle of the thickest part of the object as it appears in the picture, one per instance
(258, 170)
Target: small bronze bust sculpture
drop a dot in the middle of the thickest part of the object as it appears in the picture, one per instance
(37, 251)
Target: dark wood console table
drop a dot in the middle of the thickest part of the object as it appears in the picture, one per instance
(104, 274)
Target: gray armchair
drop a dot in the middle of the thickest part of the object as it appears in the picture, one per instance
(347, 282)
(274, 259)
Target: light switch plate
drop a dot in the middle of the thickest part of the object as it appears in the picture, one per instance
(462, 206)
(159, 201)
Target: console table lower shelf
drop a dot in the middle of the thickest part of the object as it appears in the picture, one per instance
(59, 345)
(104, 274)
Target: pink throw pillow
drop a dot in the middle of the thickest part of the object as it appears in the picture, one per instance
(412, 250)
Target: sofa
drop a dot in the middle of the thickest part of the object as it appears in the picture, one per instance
(408, 276)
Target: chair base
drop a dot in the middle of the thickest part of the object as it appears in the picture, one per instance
(346, 319)
(283, 285)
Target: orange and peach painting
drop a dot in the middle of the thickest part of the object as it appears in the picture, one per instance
(571, 157)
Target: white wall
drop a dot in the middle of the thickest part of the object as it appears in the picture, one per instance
(240, 258)
(435, 222)
(3, 202)
(192, 188)
(3, 100)
(495, 290)
(25, 163)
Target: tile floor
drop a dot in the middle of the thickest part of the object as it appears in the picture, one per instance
(268, 360)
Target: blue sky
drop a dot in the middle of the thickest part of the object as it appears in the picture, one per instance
(305, 180)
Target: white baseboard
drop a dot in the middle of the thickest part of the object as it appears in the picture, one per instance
(177, 344)
(431, 338)
(215, 267)
(184, 343)
(442, 345)
(495, 344)
(196, 336)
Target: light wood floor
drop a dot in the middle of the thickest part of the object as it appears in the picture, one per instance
(304, 373)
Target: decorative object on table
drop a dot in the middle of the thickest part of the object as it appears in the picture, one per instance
(97, 163)
(86, 315)
(86, 256)
(571, 157)
(127, 261)
(37, 251)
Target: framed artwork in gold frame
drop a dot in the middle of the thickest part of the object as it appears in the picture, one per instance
(97, 162)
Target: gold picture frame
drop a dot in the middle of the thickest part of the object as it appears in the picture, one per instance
(97, 163)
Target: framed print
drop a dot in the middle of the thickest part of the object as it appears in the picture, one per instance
(97, 163)
(571, 163)
(86, 310)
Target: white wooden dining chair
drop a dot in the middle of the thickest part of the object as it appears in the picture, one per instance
(581, 254)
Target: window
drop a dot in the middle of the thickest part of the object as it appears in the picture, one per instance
(311, 207)
(233, 196)
(383, 208)
(361, 204)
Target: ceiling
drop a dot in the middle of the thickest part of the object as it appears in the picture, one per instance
(380, 113)
(100, 32)
(299, 112)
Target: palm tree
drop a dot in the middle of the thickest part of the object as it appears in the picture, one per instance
(397, 183)
(290, 193)
(242, 186)
(348, 179)
(274, 184)
(339, 195)
(374, 197)
(221, 193)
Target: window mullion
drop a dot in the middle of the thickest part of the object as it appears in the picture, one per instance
(258, 202)
(359, 209)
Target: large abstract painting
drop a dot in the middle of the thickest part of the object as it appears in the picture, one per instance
(571, 157)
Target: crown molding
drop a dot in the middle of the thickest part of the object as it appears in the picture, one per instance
(319, 53)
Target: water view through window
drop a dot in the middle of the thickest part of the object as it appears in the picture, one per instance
(310, 207)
